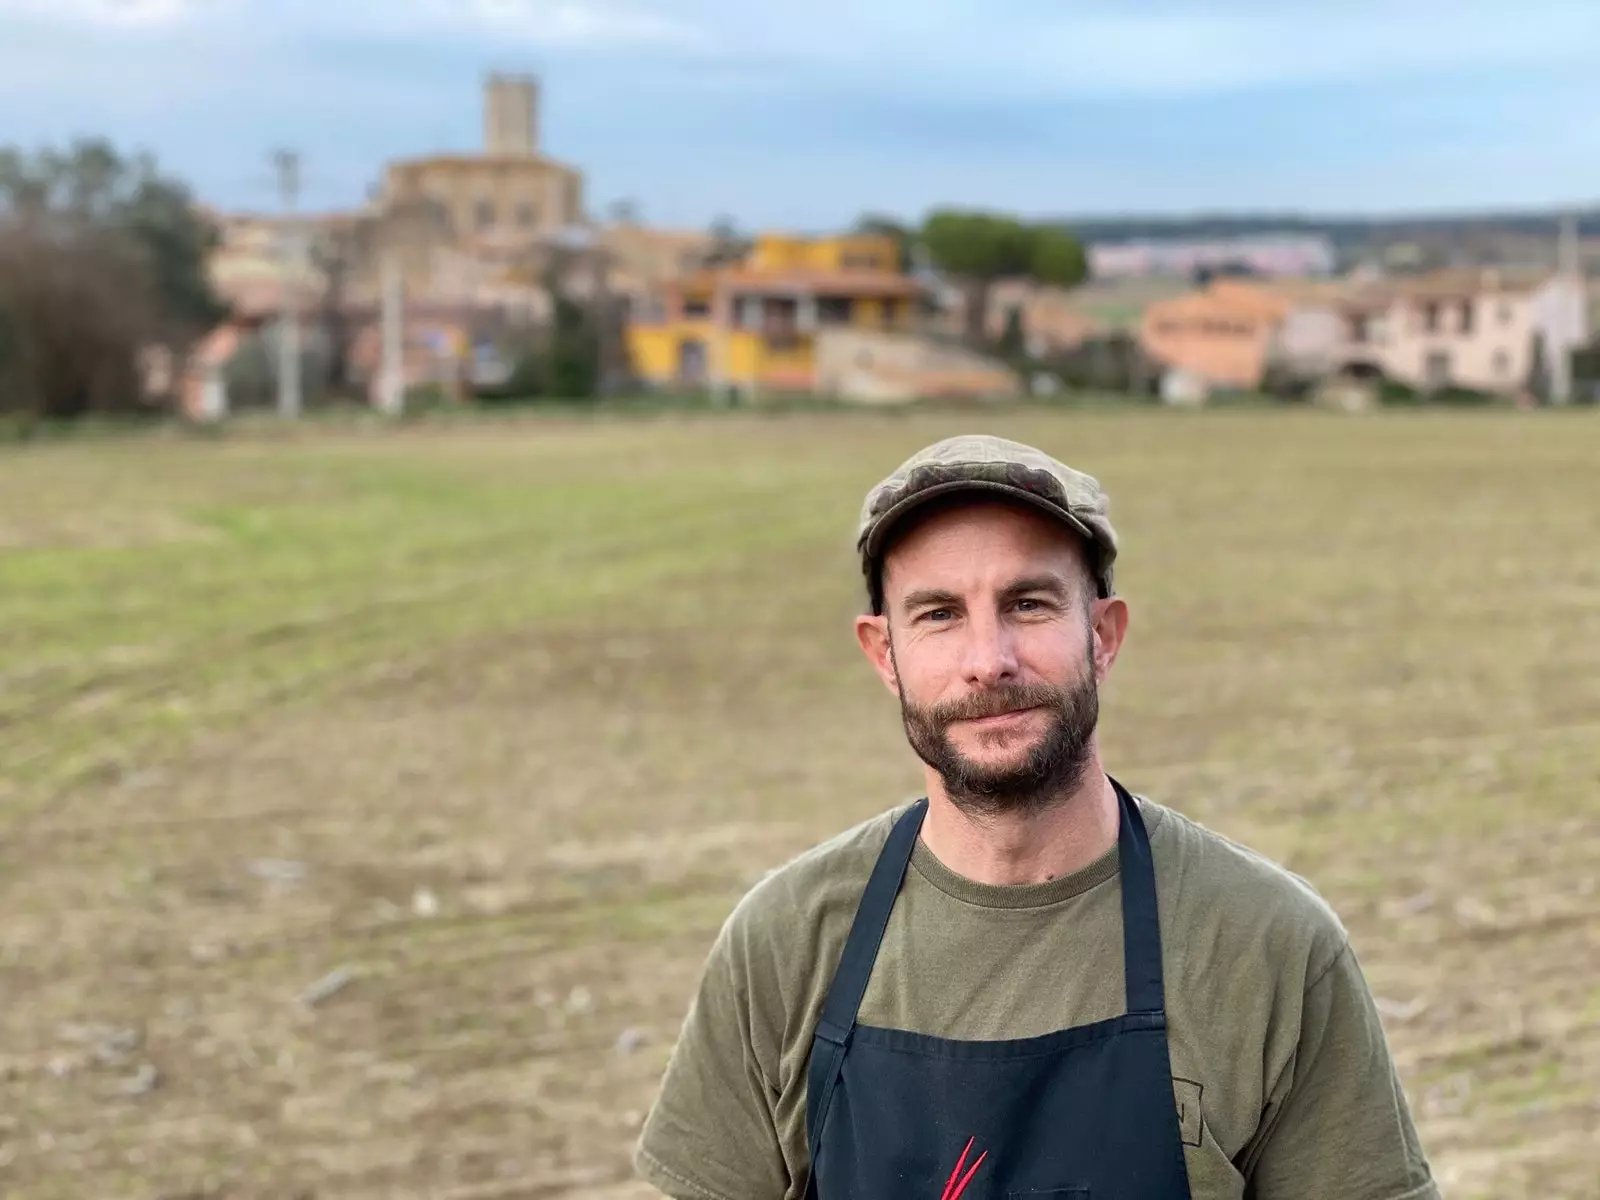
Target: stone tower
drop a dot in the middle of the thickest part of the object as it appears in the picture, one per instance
(511, 116)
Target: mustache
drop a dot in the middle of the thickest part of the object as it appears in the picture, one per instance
(995, 702)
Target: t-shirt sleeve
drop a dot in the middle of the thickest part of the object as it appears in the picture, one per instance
(1340, 1128)
(711, 1134)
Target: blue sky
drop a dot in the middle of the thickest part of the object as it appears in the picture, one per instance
(804, 113)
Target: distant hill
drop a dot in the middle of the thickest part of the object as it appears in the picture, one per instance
(1343, 230)
(1527, 237)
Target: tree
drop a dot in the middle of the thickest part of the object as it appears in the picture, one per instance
(1586, 373)
(1538, 382)
(1057, 258)
(162, 218)
(1013, 344)
(104, 260)
(728, 244)
(574, 370)
(76, 313)
(978, 248)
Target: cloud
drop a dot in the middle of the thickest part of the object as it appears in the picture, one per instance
(114, 13)
(994, 49)
(552, 23)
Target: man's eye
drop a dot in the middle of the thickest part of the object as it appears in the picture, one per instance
(938, 614)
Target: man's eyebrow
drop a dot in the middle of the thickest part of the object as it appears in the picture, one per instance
(1053, 584)
(926, 596)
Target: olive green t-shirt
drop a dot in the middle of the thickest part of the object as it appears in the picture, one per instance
(1282, 1077)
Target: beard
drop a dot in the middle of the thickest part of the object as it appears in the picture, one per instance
(1050, 771)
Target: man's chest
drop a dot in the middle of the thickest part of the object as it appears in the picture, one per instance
(949, 973)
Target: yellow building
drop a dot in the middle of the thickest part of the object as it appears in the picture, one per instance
(754, 326)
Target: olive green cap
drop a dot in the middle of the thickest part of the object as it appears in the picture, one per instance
(983, 464)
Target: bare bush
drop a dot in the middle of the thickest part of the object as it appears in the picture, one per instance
(102, 260)
(77, 307)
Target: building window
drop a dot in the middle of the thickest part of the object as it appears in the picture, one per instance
(1505, 312)
(860, 262)
(1502, 364)
(485, 214)
(1360, 330)
(1436, 369)
(750, 313)
(834, 310)
(1467, 315)
(527, 214)
(697, 309)
(1430, 317)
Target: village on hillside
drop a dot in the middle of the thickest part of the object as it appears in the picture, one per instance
(456, 258)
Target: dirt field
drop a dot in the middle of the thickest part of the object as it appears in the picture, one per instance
(367, 800)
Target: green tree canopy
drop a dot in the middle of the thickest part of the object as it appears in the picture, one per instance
(978, 248)
(90, 186)
(978, 245)
(1057, 258)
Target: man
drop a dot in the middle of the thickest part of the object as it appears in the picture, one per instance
(1031, 983)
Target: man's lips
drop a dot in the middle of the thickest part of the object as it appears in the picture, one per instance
(994, 722)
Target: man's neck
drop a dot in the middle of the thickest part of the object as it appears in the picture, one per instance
(1034, 846)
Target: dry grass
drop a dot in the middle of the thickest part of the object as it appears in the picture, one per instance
(498, 721)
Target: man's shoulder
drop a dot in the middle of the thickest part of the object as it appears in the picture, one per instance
(816, 888)
(1230, 891)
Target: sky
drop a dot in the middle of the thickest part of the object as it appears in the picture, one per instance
(806, 113)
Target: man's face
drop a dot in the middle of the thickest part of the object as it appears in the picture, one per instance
(991, 628)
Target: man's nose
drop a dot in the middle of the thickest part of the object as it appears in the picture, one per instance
(991, 652)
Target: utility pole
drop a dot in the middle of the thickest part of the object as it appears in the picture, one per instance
(287, 165)
(1570, 285)
(391, 374)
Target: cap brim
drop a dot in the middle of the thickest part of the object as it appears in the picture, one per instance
(896, 514)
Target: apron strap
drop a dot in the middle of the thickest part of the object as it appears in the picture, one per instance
(855, 969)
(1141, 923)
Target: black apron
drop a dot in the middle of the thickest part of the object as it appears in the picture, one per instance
(1081, 1114)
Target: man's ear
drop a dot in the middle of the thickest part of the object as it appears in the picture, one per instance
(1110, 626)
(873, 634)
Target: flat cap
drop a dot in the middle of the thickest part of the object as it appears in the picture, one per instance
(981, 463)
